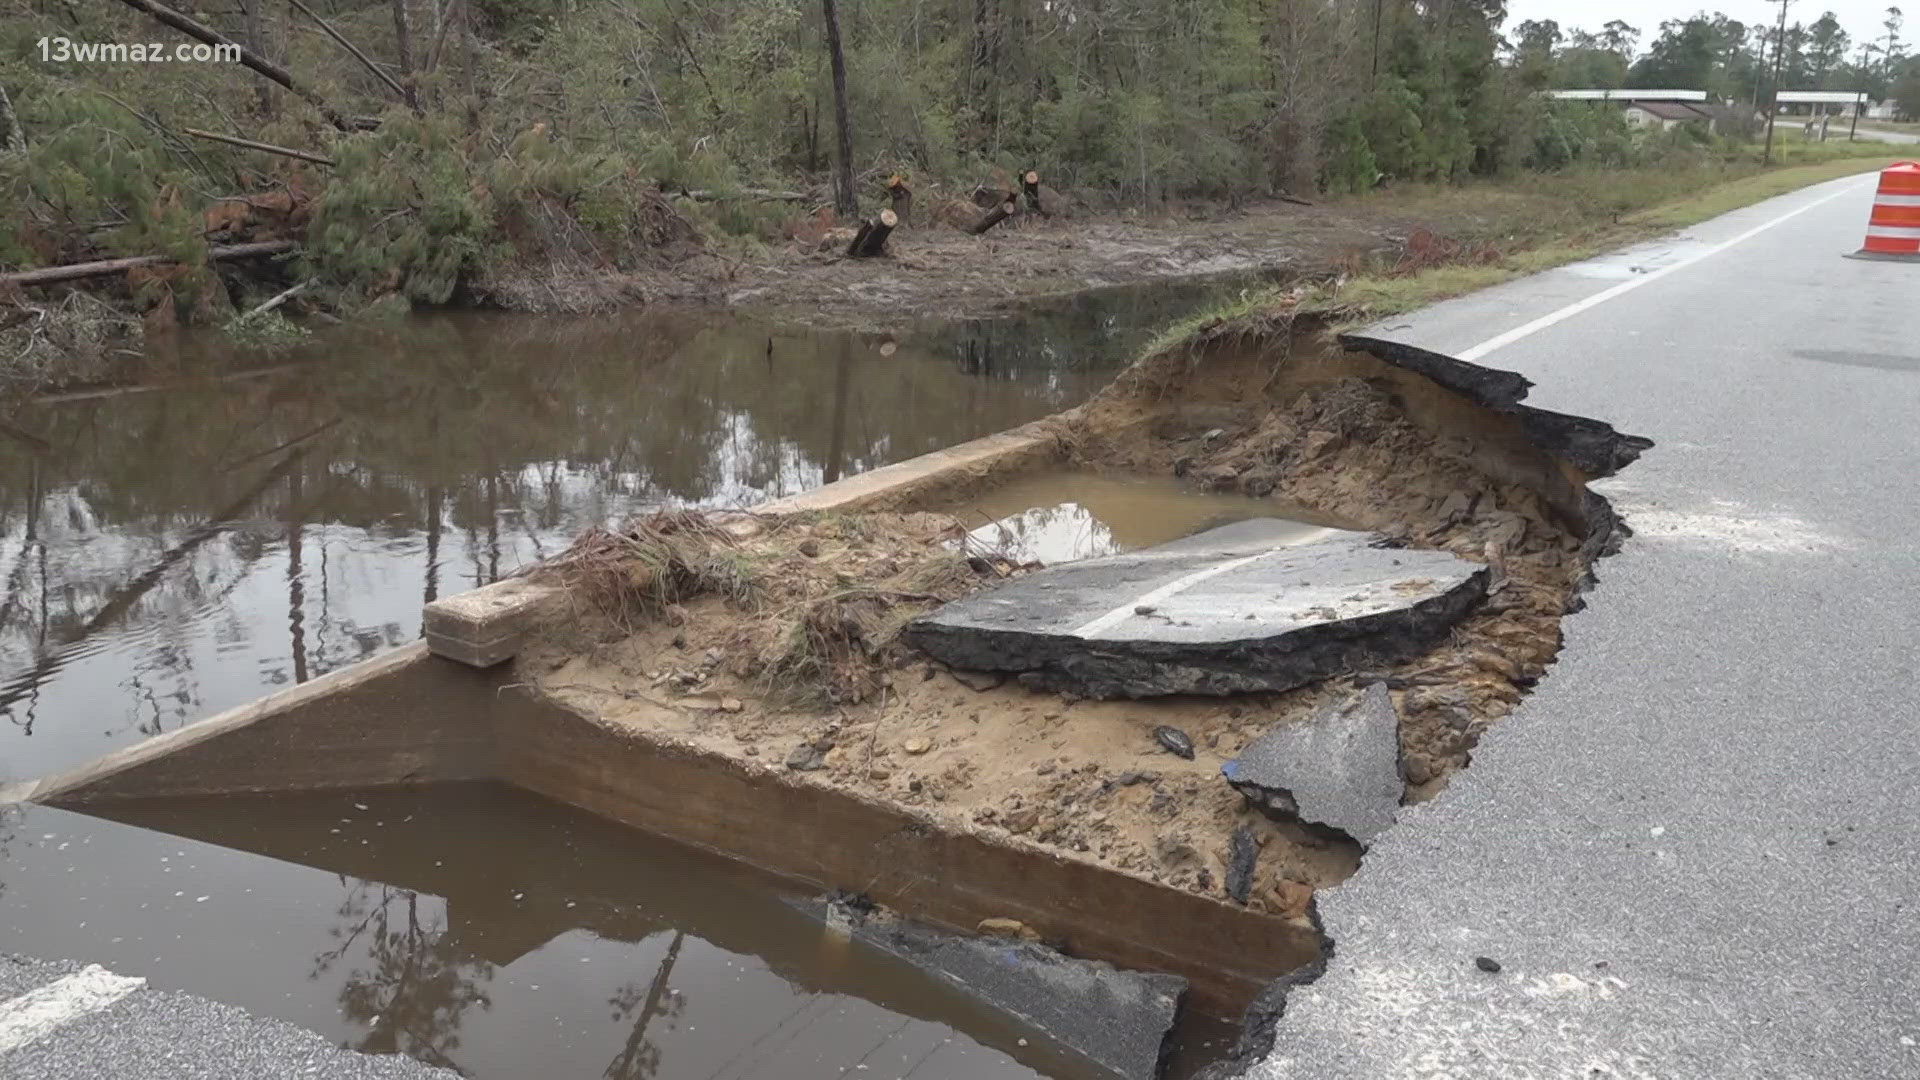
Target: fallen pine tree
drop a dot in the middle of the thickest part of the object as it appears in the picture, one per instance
(49, 275)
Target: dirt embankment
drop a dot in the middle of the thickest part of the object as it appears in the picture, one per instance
(775, 641)
(936, 271)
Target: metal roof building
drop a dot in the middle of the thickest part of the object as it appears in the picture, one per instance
(1628, 95)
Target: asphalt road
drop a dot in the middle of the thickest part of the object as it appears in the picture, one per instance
(1885, 135)
(1695, 849)
(61, 1020)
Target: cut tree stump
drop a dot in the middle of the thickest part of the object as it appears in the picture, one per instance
(994, 217)
(1030, 184)
(902, 197)
(871, 240)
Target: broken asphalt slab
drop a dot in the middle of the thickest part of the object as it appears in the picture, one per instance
(1340, 769)
(1244, 607)
(1115, 1020)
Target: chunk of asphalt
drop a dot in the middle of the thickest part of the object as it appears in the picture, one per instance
(1340, 769)
(1236, 609)
(1174, 741)
(1595, 448)
(1118, 1021)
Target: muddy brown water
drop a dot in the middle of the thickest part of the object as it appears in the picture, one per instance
(228, 524)
(1064, 515)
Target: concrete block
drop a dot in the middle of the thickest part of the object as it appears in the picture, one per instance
(488, 625)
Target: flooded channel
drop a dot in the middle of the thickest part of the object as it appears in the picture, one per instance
(232, 524)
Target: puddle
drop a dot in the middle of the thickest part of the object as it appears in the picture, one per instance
(501, 935)
(1062, 516)
(228, 525)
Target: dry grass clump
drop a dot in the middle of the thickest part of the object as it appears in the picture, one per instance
(806, 607)
(635, 571)
(71, 340)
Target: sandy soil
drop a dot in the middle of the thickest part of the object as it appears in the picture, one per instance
(1086, 779)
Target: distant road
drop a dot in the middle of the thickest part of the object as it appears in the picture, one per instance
(1884, 135)
(1694, 849)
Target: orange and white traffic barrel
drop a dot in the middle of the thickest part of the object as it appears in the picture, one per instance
(1894, 230)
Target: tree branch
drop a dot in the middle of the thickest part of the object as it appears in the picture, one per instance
(365, 60)
(252, 60)
(249, 144)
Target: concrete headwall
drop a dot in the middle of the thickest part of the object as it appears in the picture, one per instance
(833, 839)
(404, 718)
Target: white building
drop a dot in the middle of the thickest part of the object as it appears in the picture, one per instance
(1823, 102)
(1629, 95)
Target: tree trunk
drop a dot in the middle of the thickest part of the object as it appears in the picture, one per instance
(994, 217)
(257, 42)
(871, 240)
(12, 137)
(983, 61)
(47, 275)
(403, 45)
(843, 197)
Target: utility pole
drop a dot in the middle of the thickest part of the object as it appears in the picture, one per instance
(1779, 56)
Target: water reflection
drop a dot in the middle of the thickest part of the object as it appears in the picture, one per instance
(170, 552)
(1056, 517)
(460, 907)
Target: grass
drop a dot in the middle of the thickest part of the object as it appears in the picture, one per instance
(1523, 226)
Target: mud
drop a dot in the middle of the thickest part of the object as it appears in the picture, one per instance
(935, 270)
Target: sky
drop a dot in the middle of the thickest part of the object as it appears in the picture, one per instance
(1861, 18)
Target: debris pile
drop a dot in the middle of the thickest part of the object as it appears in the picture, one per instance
(789, 607)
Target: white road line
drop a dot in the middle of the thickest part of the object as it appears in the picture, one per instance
(1575, 308)
(1181, 584)
(35, 1014)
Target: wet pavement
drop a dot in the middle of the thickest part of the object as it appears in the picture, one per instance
(63, 1021)
(234, 524)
